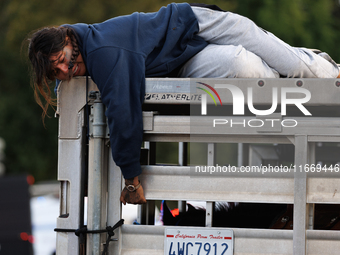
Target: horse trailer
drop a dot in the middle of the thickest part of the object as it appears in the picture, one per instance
(270, 141)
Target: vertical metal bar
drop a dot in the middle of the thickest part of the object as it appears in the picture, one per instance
(182, 154)
(211, 154)
(151, 147)
(182, 161)
(311, 207)
(209, 213)
(210, 205)
(239, 154)
(182, 206)
(104, 188)
(142, 211)
(147, 147)
(96, 149)
(114, 212)
(71, 156)
(311, 153)
(147, 212)
(204, 104)
(300, 195)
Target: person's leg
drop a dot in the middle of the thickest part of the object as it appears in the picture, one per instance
(226, 28)
(226, 61)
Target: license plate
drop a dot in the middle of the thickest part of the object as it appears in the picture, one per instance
(198, 241)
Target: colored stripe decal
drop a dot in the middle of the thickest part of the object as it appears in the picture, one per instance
(212, 89)
(209, 94)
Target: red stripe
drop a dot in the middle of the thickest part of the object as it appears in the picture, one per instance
(169, 235)
(227, 237)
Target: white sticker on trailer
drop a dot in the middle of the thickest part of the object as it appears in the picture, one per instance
(198, 241)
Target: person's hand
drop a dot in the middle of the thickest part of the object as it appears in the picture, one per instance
(133, 197)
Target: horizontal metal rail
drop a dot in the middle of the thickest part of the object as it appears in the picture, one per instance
(181, 90)
(183, 183)
(149, 240)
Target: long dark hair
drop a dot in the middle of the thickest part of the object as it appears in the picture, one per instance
(42, 44)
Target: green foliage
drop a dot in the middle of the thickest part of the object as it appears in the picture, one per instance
(31, 148)
(300, 23)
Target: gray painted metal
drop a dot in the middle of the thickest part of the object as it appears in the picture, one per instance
(71, 163)
(149, 240)
(175, 90)
(114, 207)
(180, 183)
(172, 90)
(210, 205)
(300, 196)
(96, 172)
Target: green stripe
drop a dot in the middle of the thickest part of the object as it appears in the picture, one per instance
(209, 94)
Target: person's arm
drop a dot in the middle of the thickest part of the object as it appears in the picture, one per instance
(120, 77)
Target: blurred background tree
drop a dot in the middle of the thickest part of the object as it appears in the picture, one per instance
(31, 148)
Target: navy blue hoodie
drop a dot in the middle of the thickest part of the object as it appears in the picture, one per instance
(120, 52)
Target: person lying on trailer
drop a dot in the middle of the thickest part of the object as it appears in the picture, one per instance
(179, 40)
